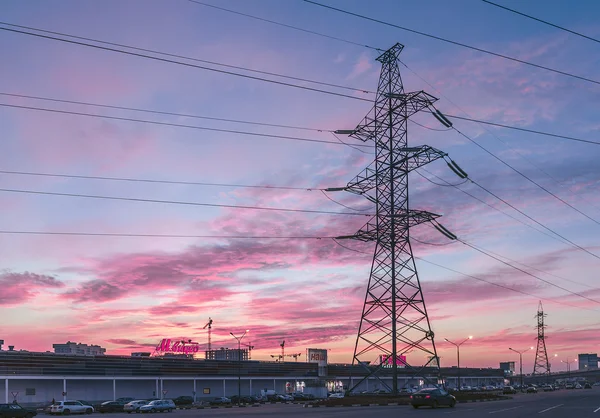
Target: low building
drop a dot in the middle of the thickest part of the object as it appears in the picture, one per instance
(588, 362)
(78, 349)
(225, 354)
(508, 367)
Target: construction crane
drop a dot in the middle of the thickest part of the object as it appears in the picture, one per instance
(281, 357)
(250, 348)
(209, 325)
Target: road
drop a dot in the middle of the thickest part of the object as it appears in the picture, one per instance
(560, 404)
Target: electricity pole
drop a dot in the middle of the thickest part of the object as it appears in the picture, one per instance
(541, 365)
(394, 317)
(521, 362)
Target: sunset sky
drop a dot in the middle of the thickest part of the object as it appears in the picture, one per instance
(127, 293)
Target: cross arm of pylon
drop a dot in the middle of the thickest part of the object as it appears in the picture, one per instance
(414, 218)
(409, 160)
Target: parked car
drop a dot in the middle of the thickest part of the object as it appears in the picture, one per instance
(338, 395)
(548, 388)
(221, 400)
(123, 401)
(432, 397)
(578, 386)
(158, 406)
(70, 407)
(110, 406)
(509, 390)
(134, 406)
(13, 410)
(183, 400)
(569, 386)
(587, 386)
(531, 389)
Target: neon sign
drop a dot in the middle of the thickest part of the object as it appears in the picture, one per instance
(183, 347)
(387, 361)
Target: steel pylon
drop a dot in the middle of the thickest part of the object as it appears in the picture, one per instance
(541, 365)
(394, 320)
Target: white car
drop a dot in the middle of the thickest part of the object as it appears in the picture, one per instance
(337, 395)
(159, 406)
(70, 407)
(134, 406)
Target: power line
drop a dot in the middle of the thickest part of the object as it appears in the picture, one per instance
(537, 222)
(528, 178)
(489, 282)
(159, 112)
(177, 125)
(524, 130)
(554, 237)
(526, 272)
(193, 59)
(286, 25)
(175, 202)
(539, 270)
(155, 181)
(183, 63)
(541, 21)
(187, 115)
(485, 51)
(109, 234)
(501, 286)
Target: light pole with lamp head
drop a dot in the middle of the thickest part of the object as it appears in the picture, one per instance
(458, 356)
(568, 362)
(239, 340)
(521, 362)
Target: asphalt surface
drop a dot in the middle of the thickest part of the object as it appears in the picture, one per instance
(583, 403)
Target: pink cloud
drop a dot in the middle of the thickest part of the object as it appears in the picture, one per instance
(18, 288)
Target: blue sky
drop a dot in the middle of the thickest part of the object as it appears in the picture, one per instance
(91, 284)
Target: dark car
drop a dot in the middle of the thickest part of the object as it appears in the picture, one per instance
(531, 389)
(432, 397)
(111, 406)
(509, 390)
(222, 400)
(183, 400)
(13, 410)
(587, 386)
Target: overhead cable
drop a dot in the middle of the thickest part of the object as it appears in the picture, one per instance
(110, 234)
(526, 272)
(175, 202)
(286, 25)
(485, 51)
(105, 48)
(501, 286)
(541, 21)
(179, 125)
(159, 112)
(155, 181)
(528, 178)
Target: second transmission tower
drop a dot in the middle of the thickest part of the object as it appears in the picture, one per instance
(541, 365)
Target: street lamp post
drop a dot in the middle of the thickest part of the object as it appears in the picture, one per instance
(458, 356)
(521, 362)
(239, 340)
(568, 362)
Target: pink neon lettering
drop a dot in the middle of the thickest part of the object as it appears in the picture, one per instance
(177, 347)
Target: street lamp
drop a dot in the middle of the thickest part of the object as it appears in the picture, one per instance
(568, 362)
(239, 340)
(521, 362)
(458, 355)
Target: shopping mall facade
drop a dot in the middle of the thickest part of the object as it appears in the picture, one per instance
(37, 378)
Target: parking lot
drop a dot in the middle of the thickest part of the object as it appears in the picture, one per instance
(559, 404)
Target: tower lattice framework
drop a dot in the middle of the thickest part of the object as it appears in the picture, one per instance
(394, 322)
(541, 365)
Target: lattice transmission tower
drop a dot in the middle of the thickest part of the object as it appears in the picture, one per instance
(394, 319)
(541, 365)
